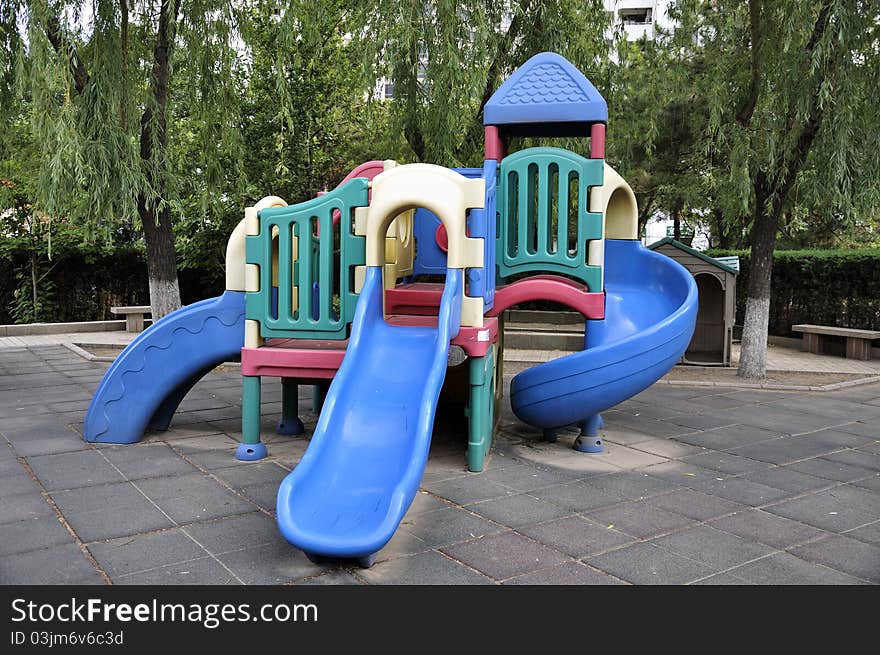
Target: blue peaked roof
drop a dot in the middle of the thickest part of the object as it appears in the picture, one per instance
(546, 89)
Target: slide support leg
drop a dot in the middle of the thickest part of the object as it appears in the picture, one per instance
(481, 406)
(319, 392)
(589, 440)
(250, 448)
(290, 423)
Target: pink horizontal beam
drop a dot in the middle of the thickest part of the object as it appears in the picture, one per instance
(550, 287)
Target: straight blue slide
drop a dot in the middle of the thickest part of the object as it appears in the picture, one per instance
(363, 466)
(145, 384)
(650, 314)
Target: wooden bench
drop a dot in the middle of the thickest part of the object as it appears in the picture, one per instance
(858, 342)
(134, 316)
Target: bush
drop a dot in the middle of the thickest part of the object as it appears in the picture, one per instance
(823, 287)
(85, 285)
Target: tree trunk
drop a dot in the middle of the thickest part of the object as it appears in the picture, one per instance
(753, 353)
(676, 222)
(155, 216)
(161, 260)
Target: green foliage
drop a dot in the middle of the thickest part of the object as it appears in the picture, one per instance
(446, 58)
(824, 287)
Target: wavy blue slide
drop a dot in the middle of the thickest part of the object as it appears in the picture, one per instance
(151, 376)
(650, 314)
(363, 466)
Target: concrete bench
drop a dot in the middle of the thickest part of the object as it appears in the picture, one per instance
(858, 342)
(134, 316)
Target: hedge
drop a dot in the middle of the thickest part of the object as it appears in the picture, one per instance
(823, 287)
(86, 286)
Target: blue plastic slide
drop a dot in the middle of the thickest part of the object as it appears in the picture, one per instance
(362, 468)
(650, 313)
(151, 376)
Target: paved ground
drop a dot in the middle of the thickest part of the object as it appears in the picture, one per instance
(698, 486)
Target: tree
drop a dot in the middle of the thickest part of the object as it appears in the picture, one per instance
(96, 78)
(791, 87)
(447, 58)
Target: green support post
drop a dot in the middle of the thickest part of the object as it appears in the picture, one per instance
(290, 423)
(481, 409)
(250, 448)
(319, 392)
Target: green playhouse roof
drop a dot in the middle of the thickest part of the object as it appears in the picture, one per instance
(696, 253)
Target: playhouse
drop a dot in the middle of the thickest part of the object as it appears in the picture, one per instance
(369, 292)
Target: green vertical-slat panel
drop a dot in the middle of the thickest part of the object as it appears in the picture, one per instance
(325, 278)
(562, 224)
(295, 220)
(304, 283)
(285, 273)
(589, 173)
(543, 209)
(522, 212)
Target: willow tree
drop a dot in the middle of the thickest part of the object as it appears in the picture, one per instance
(447, 57)
(95, 78)
(792, 87)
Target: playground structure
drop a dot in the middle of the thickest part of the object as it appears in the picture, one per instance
(331, 293)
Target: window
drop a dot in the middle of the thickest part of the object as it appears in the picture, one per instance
(642, 16)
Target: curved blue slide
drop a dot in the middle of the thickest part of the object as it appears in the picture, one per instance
(362, 468)
(650, 314)
(148, 379)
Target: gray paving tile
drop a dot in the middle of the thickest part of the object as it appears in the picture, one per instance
(28, 505)
(527, 478)
(29, 445)
(700, 421)
(836, 509)
(569, 573)
(694, 504)
(193, 497)
(272, 563)
(645, 563)
(867, 533)
(787, 479)
(578, 496)
(714, 548)
(863, 428)
(632, 485)
(425, 568)
(338, 577)
(719, 579)
(505, 555)
(640, 519)
(857, 458)
(253, 473)
(73, 470)
(468, 489)
(679, 473)
(842, 553)
(742, 491)
(447, 526)
(205, 571)
(828, 469)
(33, 534)
(786, 569)
(15, 480)
(152, 460)
(767, 528)
(785, 449)
(142, 552)
(728, 437)
(669, 448)
(49, 566)
(576, 536)
(872, 483)
(235, 532)
(724, 462)
(518, 510)
(425, 502)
